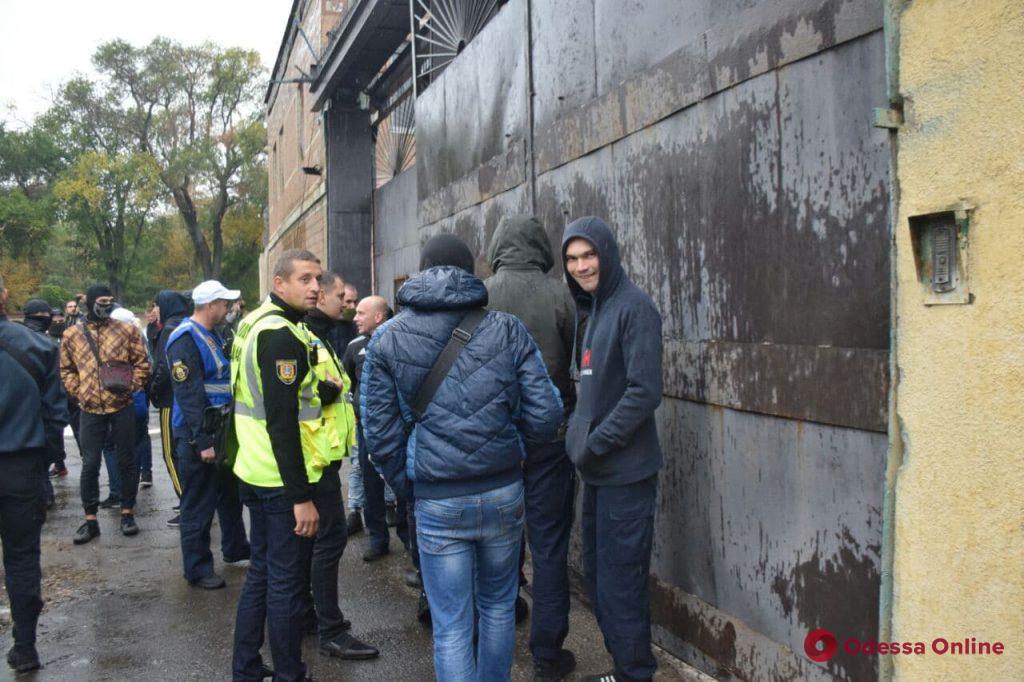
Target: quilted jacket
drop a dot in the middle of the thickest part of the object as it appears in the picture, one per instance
(496, 398)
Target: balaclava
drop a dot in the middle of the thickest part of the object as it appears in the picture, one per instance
(98, 313)
(38, 315)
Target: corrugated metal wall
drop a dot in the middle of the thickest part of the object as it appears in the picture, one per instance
(730, 144)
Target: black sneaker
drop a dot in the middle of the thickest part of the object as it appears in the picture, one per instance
(128, 525)
(209, 582)
(176, 508)
(348, 648)
(354, 522)
(112, 502)
(58, 472)
(23, 658)
(554, 671)
(174, 521)
(391, 515)
(146, 479)
(86, 532)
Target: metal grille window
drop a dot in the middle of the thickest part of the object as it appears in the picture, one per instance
(395, 136)
(442, 29)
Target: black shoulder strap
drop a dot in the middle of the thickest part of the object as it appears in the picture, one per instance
(22, 360)
(461, 336)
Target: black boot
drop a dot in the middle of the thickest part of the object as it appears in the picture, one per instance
(23, 658)
(554, 671)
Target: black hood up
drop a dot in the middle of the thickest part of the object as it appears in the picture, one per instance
(520, 242)
(597, 232)
(173, 304)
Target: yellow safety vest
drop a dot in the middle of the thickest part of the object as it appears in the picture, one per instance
(339, 418)
(254, 462)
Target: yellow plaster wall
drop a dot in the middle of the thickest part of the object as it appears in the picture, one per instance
(959, 547)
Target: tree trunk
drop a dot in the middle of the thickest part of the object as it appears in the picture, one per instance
(187, 209)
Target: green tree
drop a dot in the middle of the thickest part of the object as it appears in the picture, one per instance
(111, 196)
(29, 163)
(196, 110)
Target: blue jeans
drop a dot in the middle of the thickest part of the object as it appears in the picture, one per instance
(469, 556)
(143, 450)
(550, 483)
(355, 481)
(274, 590)
(618, 534)
(207, 488)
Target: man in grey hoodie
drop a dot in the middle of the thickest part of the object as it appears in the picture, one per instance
(613, 440)
(520, 255)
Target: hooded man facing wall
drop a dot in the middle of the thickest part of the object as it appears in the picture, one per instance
(520, 255)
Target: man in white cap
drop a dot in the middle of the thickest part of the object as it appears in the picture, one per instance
(201, 378)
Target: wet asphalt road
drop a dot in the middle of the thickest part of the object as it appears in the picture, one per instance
(119, 609)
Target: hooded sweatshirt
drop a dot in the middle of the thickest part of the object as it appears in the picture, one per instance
(612, 437)
(174, 307)
(520, 255)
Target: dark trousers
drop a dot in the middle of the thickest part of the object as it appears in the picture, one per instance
(325, 555)
(274, 590)
(22, 512)
(374, 507)
(618, 532)
(143, 454)
(207, 488)
(93, 434)
(550, 484)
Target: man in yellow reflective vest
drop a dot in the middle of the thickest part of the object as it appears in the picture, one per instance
(282, 450)
(340, 427)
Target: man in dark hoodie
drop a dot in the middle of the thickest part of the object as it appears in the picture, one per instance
(613, 440)
(520, 255)
(174, 307)
(462, 454)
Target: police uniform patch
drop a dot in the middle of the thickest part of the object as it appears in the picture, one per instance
(286, 370)
(179, 371)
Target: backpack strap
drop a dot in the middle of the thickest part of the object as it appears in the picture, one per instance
(461, 336)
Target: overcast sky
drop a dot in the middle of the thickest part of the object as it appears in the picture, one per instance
(43, 42)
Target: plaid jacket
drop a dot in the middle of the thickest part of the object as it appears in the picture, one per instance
(117, 341)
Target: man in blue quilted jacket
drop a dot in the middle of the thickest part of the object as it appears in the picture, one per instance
(463, 459)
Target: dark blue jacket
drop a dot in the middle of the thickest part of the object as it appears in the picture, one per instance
(612, 436)
(497, 396)
(174, 307)
(33, 413)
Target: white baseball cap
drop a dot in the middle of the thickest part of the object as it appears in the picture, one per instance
(211, 290)
(124, 315)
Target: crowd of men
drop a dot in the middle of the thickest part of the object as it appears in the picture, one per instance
(468, 420)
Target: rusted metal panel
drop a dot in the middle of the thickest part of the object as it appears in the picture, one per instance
(470, 140)
(741, 43)
(775, 522)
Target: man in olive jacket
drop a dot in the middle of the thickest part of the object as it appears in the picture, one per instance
(520, 255)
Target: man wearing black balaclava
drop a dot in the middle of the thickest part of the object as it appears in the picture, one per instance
(102, 363)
